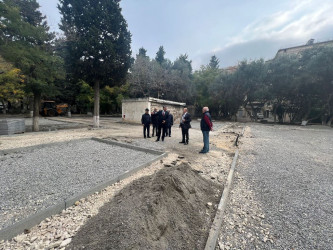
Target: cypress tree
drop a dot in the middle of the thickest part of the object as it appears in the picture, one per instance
(97, 43)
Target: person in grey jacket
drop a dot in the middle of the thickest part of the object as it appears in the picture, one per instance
(185, 124)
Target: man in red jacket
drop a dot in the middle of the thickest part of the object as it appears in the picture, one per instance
(206, 125)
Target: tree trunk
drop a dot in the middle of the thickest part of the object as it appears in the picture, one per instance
(323, 120)
(35, 126)
(96, 104)
(330, 121)
(4, 107)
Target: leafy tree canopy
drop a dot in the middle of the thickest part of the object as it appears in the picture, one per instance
(27, 47)
(11, 86)
(97, 40)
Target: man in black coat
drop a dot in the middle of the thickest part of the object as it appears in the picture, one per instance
(154, 121)
(146, 120)
(185, 124)
(163, 116)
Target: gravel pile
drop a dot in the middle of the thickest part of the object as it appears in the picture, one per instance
(282, 195)
(35, 179)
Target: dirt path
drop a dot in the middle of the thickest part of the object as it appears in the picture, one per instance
(59, 230)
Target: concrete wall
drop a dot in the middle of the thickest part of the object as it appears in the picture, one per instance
(242, 115)
(132, 109)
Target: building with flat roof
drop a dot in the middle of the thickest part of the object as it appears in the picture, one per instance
(297, 49)
(132, 109)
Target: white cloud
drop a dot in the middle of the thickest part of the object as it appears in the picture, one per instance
(262, 38)
(216, 49)
(299, 21)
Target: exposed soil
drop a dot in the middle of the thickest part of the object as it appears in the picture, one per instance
(172, 209)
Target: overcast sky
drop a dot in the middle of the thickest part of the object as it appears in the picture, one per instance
(231, 30)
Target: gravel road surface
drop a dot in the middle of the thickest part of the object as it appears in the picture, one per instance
(49, 124)
(282, 194)
(38, 178)
(43, 121)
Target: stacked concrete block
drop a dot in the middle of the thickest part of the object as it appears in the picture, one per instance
(12, 126)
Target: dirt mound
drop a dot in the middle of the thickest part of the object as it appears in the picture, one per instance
(167, 210)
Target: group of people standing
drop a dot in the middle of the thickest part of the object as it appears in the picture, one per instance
(162, 122)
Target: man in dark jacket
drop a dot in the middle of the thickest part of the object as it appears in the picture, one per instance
(185, 124)
(146, 120)
(206, 125)
(154, 121)
(170, 124)
(163, 116)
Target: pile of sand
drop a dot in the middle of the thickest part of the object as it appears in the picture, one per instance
(167, 210)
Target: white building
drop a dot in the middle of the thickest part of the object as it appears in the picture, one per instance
(132, 109)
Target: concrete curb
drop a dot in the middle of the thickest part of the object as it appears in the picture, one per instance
(126, 145)
(19, 227)
(217, 223)
(39, 146)
(71, 121)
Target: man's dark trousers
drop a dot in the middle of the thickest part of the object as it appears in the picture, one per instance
(185, 134)
(168, 131)
(146, 128)
(161, 130)
(154, 120)
(162, 124)
(155, 129)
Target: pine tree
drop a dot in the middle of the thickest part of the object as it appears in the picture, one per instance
(98, 43)
(142, 52)
(160, 55)
(214, 62)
